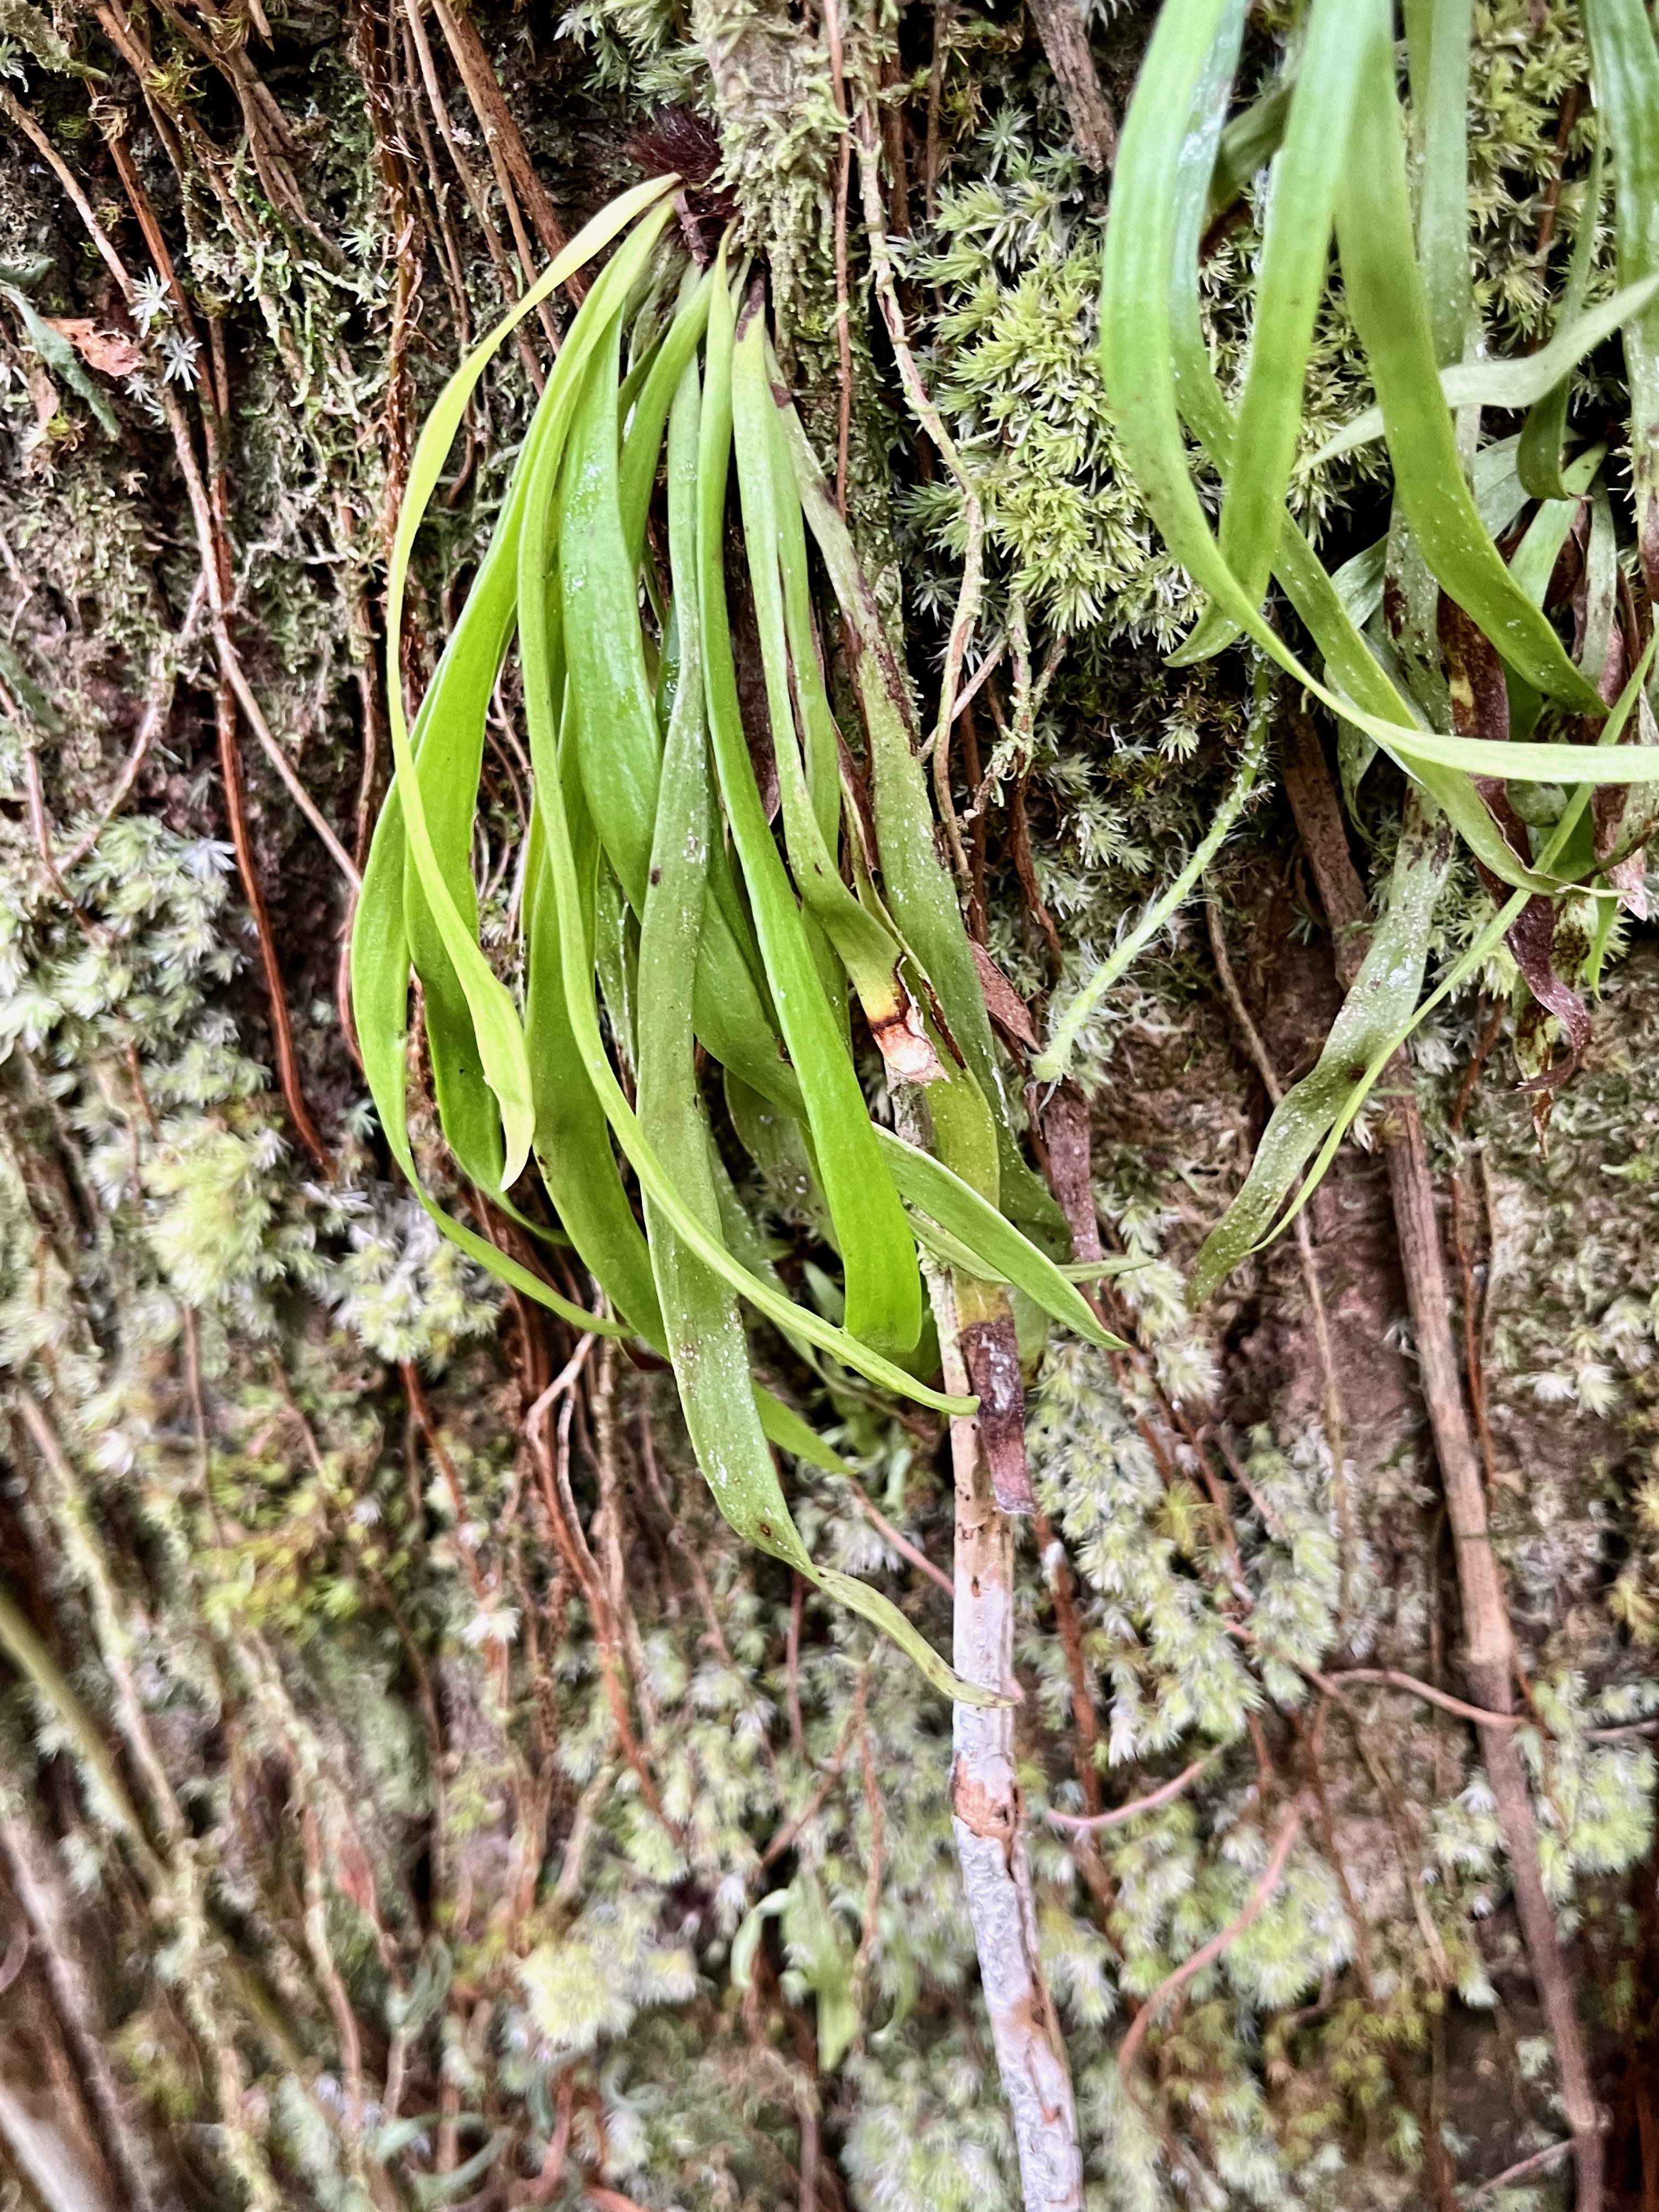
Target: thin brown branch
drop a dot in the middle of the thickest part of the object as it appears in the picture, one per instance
(281, 1030)
(497, 251)
(1522, 2168)
(1206, 1955)
(828, 1778)
(1489, 1654)
(988, 1816)
(1060, 26)
(502, 132)
(1166, 1794)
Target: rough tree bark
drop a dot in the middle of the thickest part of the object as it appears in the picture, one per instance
(1489, 1656)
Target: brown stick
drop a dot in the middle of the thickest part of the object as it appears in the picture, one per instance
(479, 75)
(1209, 1953)
(1066, 42)
(281, 1028)
(1091, 1823)
(1489, 1645)
(469, 187)
(987, 1814)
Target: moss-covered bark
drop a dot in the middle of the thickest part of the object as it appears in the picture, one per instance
(402, 1806)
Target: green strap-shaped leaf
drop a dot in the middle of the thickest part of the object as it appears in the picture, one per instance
(1440, 86)
(617, 737)
(655, 1181)
(1136, 348)
(884, 1287)
(614, 716)
(381, 949)
(494, 1018)
(1385, 296)
(380, 998)
(917, 888)
(1544, 432)
(1381, 1000)
(1246, 146)
(448, 743)
(994, 1247)
(1525, 382)
(706, 1338)
(572, 1136)
(643, 444)
(1472, 959)
(1626, 66)
(1364, 694)
(862, 944)
(1291, 280)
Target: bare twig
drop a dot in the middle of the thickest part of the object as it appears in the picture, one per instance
(987, 1814)
(535, 1420)
(1066, 42)
(1489, 1650)
(1520, 2171)
(1206, 1955)
(1092, 1823)
(508, 155)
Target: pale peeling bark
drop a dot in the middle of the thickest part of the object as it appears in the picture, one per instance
(987, 1814)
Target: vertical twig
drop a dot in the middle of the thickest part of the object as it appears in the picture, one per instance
(1065, 44)
(1489, 1649)
(987, 1814)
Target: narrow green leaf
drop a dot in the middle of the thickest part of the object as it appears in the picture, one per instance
(884, 1290)
(1053, 1062)
(656, 1182)
(1625, 67)
(59, 357)
(379, 997)
(866, 949)
(1443, 219)
(1544, 432)
(1385, 296)
(706, 1338)
(1510, 385)
(997, 1249)
(1382, 997)
(494, 1018)
(923, 901)
(1472, 959)
(643, 444)
(1246, 145)
(1137, 352)
(1291, 278)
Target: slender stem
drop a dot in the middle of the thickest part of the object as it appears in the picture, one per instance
(1172, 1986)
(987, 1814)
(1489, 1649)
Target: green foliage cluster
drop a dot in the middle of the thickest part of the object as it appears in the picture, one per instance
(268, 1490)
